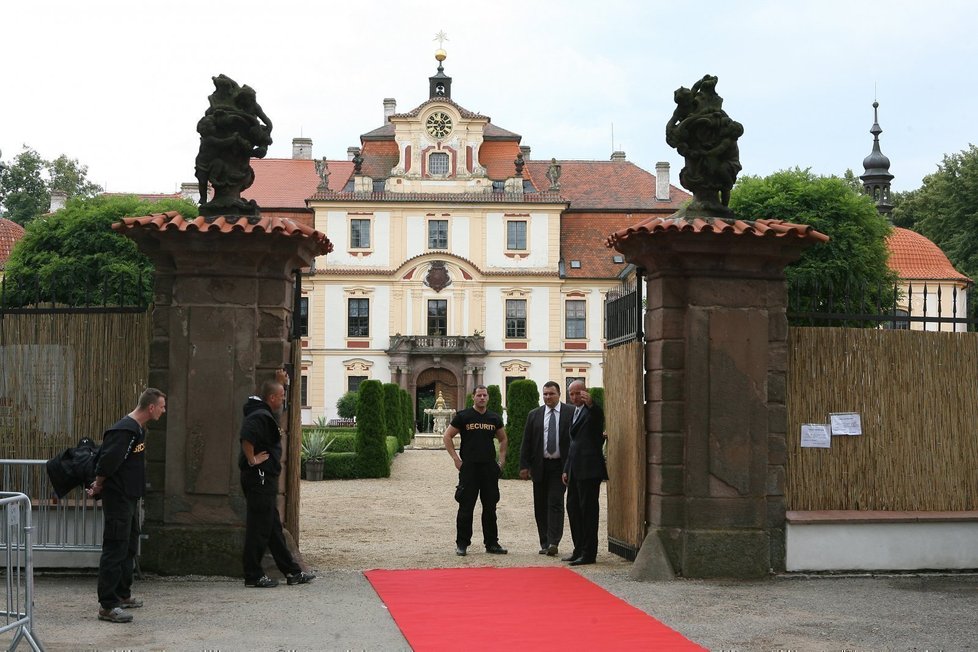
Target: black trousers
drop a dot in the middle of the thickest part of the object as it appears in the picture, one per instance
(582, 512)
(478, 480)
(120, 543)
(548, 503)
(263, 531)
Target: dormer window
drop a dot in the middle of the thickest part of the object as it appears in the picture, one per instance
(438, 163)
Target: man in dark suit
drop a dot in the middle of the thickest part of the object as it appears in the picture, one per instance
(546, 440)
(584, 469)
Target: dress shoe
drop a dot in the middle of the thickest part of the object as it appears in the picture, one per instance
(460, 551)
(543, 550)
(496, 550)
(582, 562)
(552, 550)
(570, 557)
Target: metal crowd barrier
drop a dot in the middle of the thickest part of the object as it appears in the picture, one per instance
(18, 617)
(67, 531)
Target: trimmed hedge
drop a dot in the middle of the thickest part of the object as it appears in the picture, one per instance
(495, 400)
(523, 396)
(393, 413)
(408, 416)
(372, 457)
(340, 466)
(597, 395)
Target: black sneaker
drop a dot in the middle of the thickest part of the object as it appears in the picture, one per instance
(299, 578)
(460, 551)
(263, 582)
(496, 549)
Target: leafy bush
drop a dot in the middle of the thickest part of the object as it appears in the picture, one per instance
(470, 401)
(372, 459)
(346, 406)
(393, 448)
(523, 396)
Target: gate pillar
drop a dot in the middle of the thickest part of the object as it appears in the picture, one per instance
(715, 359)
(223, 303)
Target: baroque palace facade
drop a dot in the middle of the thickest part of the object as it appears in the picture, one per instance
(458, 258)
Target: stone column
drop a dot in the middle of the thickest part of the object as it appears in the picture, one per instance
(221, 326)
(716, 336)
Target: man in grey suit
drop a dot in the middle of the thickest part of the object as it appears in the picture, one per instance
(584, 470)
(546, 440)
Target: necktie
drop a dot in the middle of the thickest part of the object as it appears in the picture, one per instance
(577, 413)
(552, 433)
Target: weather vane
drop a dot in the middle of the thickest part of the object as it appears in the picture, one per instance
(441, 37)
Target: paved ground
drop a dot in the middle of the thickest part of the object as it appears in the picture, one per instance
(340, 611)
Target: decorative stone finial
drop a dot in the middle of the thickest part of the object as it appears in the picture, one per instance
(519, 163)
(703, 133)
(440, 401)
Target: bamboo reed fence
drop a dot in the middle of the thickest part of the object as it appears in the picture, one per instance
(66, 376)
(624, 405)
(917, 395)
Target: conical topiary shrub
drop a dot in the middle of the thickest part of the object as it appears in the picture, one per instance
(371, 432)
(522, 396)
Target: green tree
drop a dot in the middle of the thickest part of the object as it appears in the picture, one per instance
(855, 256)
(26, 184)
(346, 405)
(945, 209)
(371, 432)
(521, 397)
(74, 257)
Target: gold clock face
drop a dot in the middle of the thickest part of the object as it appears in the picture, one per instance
(438, 124)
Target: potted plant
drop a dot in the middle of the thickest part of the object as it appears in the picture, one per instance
(314, 447)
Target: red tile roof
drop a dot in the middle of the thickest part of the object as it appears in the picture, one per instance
(606, 186)
(914, 257)
(497, 158)
(10, 233)
(287, 183)
(583, 237)
(173, 221)
(379, 158)
(757, 228)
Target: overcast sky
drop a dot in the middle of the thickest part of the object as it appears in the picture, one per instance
(120, 85)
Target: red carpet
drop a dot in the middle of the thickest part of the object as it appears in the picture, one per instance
(515, 609)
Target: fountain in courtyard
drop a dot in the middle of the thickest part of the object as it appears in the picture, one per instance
(441, 415)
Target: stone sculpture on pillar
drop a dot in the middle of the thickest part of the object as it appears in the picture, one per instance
(703, 133)
(234, 130)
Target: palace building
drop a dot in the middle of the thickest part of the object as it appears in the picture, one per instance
(459, 259)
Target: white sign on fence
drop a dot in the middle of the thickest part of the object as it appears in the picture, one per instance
(846, 423)
(816, 435)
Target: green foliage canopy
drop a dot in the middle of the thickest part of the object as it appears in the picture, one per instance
(945, 209)
(857, 250)
(73, 257)
(27, 182)
(346, 405)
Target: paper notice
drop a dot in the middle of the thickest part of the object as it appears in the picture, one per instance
(816, 435)
(846, 423)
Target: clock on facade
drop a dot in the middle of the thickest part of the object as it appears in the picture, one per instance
(439, 124)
